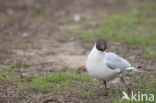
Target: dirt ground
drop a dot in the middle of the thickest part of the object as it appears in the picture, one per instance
(38, 33)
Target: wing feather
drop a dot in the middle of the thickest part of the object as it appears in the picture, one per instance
(114, 61)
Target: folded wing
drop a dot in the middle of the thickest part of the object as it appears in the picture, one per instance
(114, 61)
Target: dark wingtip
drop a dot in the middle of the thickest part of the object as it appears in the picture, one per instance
(139, 66)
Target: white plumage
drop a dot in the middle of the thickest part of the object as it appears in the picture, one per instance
(105, 65)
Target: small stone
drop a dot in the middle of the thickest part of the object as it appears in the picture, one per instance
(77, 18)
(25, 35)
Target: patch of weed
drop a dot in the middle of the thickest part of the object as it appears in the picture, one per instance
(40, 83)
(134, 27)
(39, 8)
(84, 94)
(2, 17)
(24, 85)
(149, 54)
(44, 82)
(8, 75)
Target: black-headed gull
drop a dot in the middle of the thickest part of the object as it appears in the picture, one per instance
(105, 66)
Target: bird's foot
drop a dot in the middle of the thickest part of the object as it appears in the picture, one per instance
(106, 92)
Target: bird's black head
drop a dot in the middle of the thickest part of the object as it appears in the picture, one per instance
(101, 44)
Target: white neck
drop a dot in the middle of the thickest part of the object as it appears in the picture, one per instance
(96, 54)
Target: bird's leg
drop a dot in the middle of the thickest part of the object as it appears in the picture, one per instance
(106, 89)
(128, 88)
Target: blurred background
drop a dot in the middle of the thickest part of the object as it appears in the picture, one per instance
(40, 37)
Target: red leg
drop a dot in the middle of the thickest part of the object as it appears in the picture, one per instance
(106, 89)
(128, 88)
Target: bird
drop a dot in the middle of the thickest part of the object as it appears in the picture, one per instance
(103, 65)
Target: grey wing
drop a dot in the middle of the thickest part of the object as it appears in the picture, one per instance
(114, 61)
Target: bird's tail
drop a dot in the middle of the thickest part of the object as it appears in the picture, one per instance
(133, 67)
(136, 66)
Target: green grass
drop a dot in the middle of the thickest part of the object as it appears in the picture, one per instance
(2, 17)
(140, 85)
(58, 82)
(8, 75)
(39, 9)
(84, 94)
(134, 28)
(56, 79)
(8, 72)
(24, 85)
(149, 54)
(44, 20)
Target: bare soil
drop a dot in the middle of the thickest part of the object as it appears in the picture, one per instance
(35, 33)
